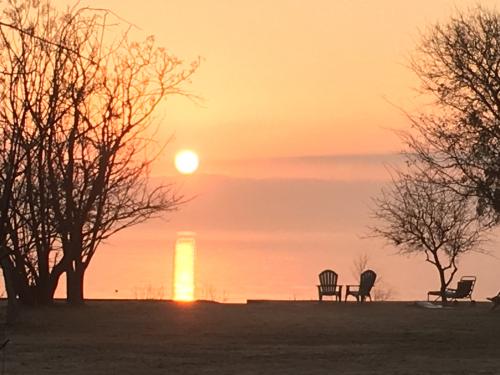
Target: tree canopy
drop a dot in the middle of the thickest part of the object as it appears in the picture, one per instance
(449, 195)
(458, 64)
(75, 115)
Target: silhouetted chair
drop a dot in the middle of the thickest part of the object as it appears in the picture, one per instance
(495, 300)
(361, 291)
(328, 285)
(464, 290)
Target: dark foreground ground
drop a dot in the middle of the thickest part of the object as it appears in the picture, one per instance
(134, 337)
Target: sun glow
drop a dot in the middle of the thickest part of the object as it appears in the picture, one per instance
(184, 268)
(186, 161)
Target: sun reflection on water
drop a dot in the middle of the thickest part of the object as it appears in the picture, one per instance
(184, 255)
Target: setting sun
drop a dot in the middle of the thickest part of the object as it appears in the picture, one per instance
(186, 161)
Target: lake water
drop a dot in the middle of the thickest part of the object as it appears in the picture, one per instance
(234, 267)
(260, 238)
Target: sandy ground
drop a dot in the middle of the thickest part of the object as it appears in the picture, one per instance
(143, 337)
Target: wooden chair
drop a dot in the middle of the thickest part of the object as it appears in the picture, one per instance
(328, 285)
(464, 290)
(361, 291)
(495, 300)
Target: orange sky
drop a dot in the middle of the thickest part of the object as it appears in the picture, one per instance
(288, 78)
(296, 115)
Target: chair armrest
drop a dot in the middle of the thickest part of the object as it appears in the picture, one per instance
(351, 287)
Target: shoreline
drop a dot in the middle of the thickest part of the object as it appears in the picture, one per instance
(58, 301)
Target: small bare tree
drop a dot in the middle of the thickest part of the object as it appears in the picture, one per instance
(359, 264)
(421, 217)
(381, 291)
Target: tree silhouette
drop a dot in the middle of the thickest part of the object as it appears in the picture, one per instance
(419, 216)
(82, 111)
(458, 64)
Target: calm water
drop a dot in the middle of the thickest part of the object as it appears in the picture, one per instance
(265, 238)
(257, 238)
(233, 267)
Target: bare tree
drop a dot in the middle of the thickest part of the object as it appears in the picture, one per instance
(458, 64)
(86, 110)
(359, 264)
(381, 291)
(421, 217)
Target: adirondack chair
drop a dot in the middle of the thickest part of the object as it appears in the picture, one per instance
(328, 285)
(361, 291)
(464, 290)
(495, 300)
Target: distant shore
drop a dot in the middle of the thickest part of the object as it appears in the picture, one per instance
(59, 301)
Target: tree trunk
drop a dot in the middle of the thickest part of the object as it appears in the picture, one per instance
(44, 292)
(44, 289)
(444, 285)
(74, 285)
(10, 288)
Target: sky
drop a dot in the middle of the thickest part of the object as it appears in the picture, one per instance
(295, 130)
(287, 78)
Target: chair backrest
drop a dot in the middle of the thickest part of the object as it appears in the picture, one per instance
(328, 277)
(366, 282)
(465, 287)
